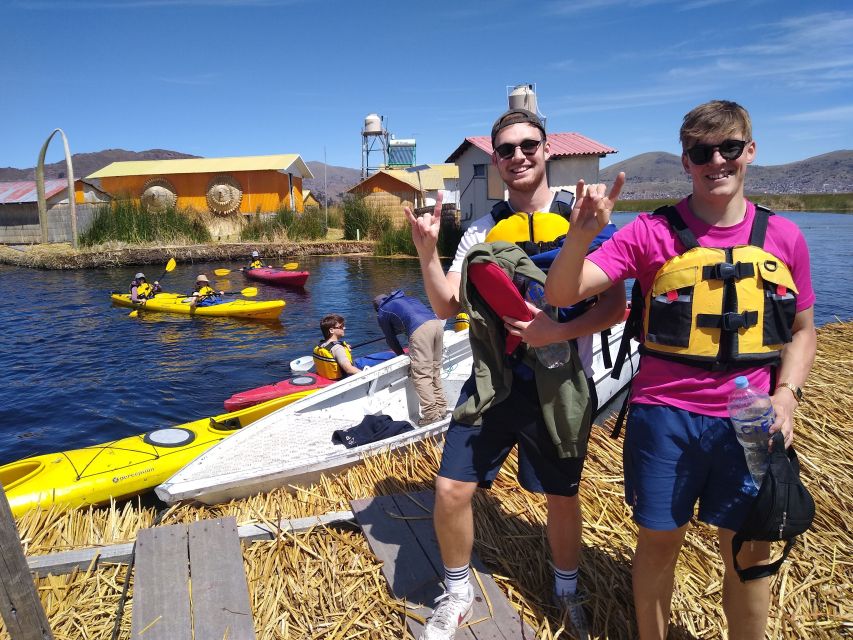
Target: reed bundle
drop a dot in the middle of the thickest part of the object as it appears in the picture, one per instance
(326, 584)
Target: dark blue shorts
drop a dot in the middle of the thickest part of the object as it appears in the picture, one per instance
(674, 458)
(476, 454)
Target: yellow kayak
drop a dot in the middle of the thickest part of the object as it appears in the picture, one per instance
(120, 468)
(175, 303)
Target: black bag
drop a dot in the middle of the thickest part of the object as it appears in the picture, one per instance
(782, 510)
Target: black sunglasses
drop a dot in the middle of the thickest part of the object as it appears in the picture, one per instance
(702, 153)
(507, 149)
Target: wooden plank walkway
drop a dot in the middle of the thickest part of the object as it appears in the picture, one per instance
(399, 531)
(190, 583)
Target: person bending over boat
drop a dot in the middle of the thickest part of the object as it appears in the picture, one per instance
(140, 290)
(333, 356)
(205, 295)
(723, 289)
(521, 151)
(398, 313)
(256, 262)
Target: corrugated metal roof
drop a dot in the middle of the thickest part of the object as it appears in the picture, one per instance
(431, 179)
(561, 144)
(286, 162)
(25, 190)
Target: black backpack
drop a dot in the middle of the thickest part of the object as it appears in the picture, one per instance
(782, 510)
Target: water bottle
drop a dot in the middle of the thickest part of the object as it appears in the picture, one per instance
(752, 415)
(551, 355)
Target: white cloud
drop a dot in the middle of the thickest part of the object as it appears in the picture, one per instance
(843, 113)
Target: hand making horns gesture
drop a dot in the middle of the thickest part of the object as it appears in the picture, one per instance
(592, 208)
(425, 228)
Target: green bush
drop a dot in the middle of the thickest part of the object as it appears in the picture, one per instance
(359, 216)
(127, 221)
(286, 224)
(394, 241)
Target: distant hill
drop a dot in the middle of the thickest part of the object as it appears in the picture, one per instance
(85, 164)
(660, 175)
(338, 180)
(648, 175)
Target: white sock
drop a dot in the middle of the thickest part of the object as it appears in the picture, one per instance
(565, 582)
(456, 580)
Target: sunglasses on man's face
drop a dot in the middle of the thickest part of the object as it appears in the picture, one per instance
(507, 149)
(702, 153)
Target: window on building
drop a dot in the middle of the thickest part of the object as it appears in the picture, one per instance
(480, 170)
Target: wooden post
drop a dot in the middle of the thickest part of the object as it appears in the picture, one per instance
(19, 603)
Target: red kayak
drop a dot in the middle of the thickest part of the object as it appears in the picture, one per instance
(296, 386)
(277, 276)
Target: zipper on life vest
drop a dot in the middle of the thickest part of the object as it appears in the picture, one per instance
(530, 225)
(784, 521)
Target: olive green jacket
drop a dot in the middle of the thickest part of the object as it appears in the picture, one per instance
(563, 391)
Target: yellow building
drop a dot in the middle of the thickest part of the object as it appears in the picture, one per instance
(389, 190)
(246, 184)
(310, 200)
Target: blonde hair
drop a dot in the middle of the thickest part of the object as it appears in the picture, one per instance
(718, 117)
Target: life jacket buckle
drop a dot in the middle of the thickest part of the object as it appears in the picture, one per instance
(728, 271)
(735, 321)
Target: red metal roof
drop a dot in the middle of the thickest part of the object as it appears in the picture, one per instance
(561, 144)
(25, 190)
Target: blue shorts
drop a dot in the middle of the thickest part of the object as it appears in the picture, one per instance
(476, 454)
(674, 458)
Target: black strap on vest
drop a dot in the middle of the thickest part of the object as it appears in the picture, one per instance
(562, 204)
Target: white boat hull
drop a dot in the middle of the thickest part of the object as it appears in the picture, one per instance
(293, 446)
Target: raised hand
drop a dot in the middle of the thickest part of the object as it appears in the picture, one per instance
(593, 205)
(425, 228)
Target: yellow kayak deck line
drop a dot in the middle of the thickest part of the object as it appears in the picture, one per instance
(120, 468)
(175, 303)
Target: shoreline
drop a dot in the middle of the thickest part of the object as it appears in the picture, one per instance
(62, 256)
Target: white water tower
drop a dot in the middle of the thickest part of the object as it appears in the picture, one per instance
(523, 96)
(374, 140)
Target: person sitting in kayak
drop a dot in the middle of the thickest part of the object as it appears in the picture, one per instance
(205, 295)
(140, 290)
(333, 356)
(256, 262)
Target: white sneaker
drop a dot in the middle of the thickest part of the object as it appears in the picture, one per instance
(571, 607)
(450, 612)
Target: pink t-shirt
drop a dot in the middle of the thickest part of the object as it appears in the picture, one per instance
(640, 248)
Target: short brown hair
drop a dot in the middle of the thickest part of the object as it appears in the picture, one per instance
(718, 117)
(328, 323)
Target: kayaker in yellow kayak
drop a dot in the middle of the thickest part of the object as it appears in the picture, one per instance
(140, 290)
(204, 295)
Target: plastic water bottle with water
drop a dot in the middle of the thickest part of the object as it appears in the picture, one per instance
(752, 416)
(551, 355)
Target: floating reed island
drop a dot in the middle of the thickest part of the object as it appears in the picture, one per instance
(325, 583)
(119, 254)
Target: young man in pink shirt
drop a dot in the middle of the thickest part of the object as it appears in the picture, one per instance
(711, 315)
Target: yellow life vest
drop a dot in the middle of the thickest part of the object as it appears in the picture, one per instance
(144, 290)
(325, 362)
(535, 232)
(206, 292)
(720, 309)
(256, 264)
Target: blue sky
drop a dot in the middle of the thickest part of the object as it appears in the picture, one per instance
(253, 77)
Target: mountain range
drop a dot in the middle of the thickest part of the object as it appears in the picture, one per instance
(648, 175)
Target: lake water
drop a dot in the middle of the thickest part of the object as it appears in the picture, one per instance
(75, 370)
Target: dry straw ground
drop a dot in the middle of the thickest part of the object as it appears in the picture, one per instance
(326, 584)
